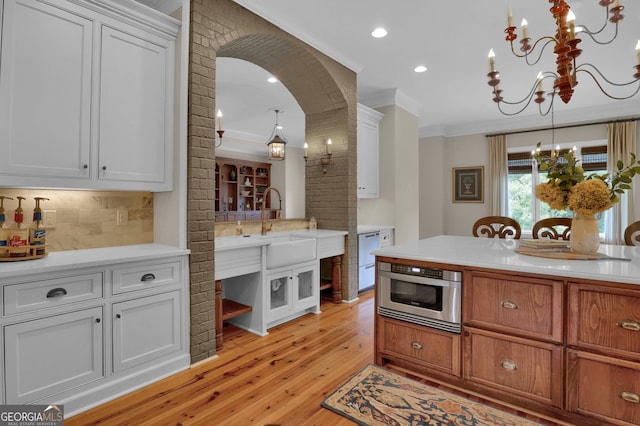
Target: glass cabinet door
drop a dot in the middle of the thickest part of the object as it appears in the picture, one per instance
(279, 292)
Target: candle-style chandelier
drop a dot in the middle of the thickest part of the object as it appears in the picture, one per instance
(565, 47)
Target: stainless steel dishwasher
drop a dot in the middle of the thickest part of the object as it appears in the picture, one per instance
(366, 261)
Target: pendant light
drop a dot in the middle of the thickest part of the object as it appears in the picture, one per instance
(277, 142)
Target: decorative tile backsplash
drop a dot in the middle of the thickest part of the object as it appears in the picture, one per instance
(87, 219)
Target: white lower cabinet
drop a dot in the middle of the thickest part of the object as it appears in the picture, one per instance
(79, 336)
(145, 329)
(292, 292)
(49, 355)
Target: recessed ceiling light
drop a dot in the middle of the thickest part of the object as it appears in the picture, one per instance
(379, 32)
(272, 80)
(420, 68)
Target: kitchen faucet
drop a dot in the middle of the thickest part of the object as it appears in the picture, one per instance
(263, 217)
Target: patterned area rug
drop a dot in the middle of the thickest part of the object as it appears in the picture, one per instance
(376, 396)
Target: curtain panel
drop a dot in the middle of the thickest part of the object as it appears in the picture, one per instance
(498, 176)
(621, 142)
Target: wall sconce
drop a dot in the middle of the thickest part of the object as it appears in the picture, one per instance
(219, 131)
(325, 157)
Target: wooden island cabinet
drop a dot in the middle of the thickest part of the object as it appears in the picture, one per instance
(563, 345)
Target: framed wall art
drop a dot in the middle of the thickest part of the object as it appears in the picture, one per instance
(468, 184)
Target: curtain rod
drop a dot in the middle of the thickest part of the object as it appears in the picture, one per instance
(568, 126)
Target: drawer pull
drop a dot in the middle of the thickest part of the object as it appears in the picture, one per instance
(56, 292)
(508, 364)
(416, 345)
(509, 304)
(630, 397)
(147, 277)
(629, 325)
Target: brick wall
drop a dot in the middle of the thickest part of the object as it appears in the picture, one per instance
(326, 92)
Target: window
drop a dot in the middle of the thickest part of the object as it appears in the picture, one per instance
(523, 177)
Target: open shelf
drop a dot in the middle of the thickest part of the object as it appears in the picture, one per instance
(231, 309)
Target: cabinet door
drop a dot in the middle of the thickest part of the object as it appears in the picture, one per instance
(368, 152)
(603, 387)
(53, 354)
(45, 90)
(427, 347)
(530, 307)
(145, 329)
(524, 368)
(279, 300)
(307, 287)
(135, 119)
(604, 319)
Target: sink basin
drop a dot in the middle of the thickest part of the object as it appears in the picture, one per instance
(286, 251)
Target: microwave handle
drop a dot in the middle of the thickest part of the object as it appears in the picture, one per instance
(419, 280)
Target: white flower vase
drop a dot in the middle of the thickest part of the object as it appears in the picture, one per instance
(585, 237)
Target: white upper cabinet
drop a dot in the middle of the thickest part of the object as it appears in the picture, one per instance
(86, 95)
(368, 151)
(133, 107)
(45, 91)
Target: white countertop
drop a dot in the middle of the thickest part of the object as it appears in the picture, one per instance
(64, 260)
(365, 229)
(500, 254)
(253, 240)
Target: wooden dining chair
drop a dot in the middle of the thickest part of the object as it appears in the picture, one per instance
(553, 228)
(497, 226)
(632, 234)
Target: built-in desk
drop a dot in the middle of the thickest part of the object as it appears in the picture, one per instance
(242, 275)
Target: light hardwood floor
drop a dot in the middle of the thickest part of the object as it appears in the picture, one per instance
(278, 379)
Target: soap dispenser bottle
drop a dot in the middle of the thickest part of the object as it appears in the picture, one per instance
(4, 229)
(18, 234)
(239, 229)
(37, 231)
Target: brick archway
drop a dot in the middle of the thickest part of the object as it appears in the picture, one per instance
(326, 92)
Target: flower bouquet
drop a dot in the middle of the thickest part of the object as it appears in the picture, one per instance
(584, 194)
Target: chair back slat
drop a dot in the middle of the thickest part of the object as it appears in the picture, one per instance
(497, 226)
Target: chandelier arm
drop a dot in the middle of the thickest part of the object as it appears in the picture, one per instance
(587, 64)
(527, 97)
(604, 25)
(544, 114)
(548, 39)
(591, 34)
(604, 91)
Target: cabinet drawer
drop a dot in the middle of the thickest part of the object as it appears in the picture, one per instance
(604, 319)
(528, 306)
(25, 297)
(145, 275)
(432, 348)
(603, 387)
(521, 367)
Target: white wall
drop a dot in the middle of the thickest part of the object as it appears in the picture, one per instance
(432, 190)
(473, 150)
(464, 151)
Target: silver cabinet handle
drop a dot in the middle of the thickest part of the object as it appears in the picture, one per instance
(629, 325)
(509, 304)
(147, 277)
(509, 364)
(416, 345)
